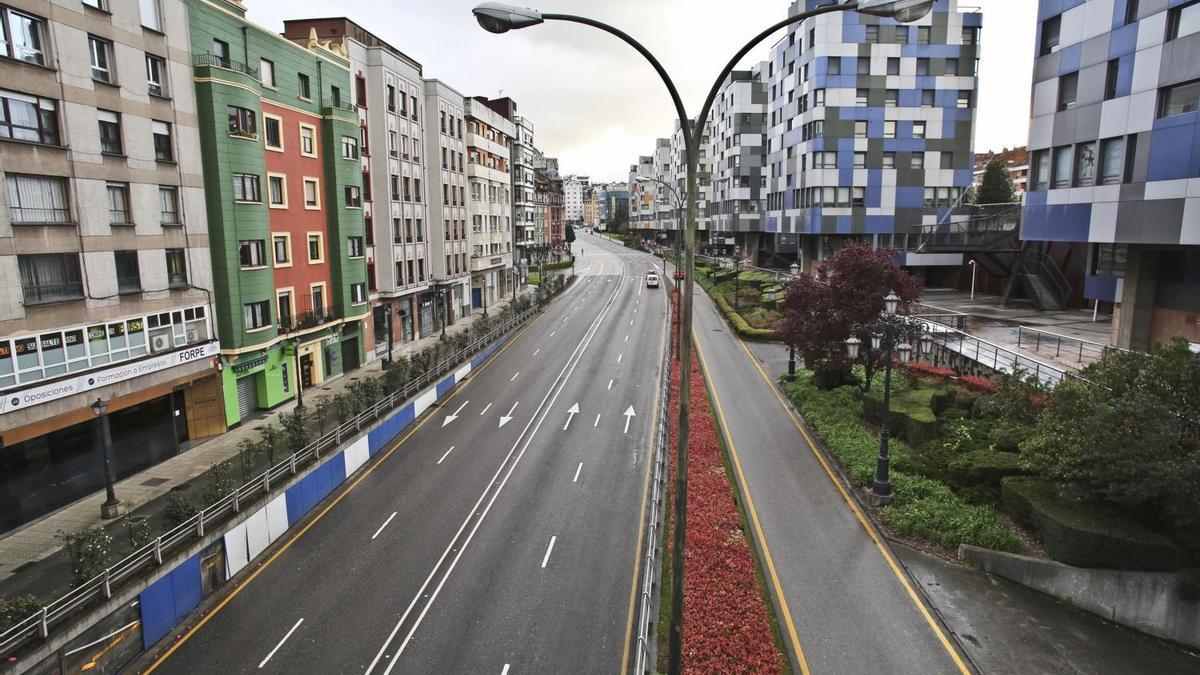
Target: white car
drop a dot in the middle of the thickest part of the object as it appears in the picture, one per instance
(652, 280)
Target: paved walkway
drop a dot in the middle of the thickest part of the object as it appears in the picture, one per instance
(37, 541)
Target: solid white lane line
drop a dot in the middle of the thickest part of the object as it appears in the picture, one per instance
(627, 338)
(505, 671)
(385, 524)
(447, 454)
(549, 548)
(285, 637)
(515, 376)
(631, 322)
(597, 422)
(610, 384)
(485, 409)
(535, 352)
(577, 470)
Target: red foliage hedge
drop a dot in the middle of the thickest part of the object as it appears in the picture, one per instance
(922, 368)
(726, 628)
(978, 383)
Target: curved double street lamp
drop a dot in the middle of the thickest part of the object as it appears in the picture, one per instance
(496, 17)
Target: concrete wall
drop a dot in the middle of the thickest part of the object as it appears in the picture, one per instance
(1151, 602)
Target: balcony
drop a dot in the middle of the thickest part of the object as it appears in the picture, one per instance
(215, 61)
(24, 215)
(308, 316)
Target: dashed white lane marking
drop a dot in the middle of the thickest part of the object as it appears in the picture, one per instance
(610, 384)
(485, 409)
(289, 634)
(505, 671)
(577, 470)
(597, 422)
(446, 455)
(627, 338)
(546, 558)
(552, 333)
(514, 377)
(619, 357)
(385, 524)
(535, 352)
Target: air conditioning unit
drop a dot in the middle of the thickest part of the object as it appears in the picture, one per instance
(160, 343)
(198, 333)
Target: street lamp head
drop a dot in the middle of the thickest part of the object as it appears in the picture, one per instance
(795, 269)
(926, 343)
(904, 11)
(853, 344)
(497, 17)
(905, 351)
(891, 303)
(876, 341)
(99, 407)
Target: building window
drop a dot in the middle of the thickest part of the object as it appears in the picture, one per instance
(861, 97)
(1050, 33)
(22, 36)
(151, 17)
(101, 52)
(28, 118)
(1112, 161)
(893, 66)
(970, 36)
(889, 160)
(118, 204)
(282, 246)
(952, 67)
(391, 98)
(1184, 20)
(860, 160)
(220, 53)
(349, 147)
(156, 75)
(872, 34)
(246, 188)
(308, 140)
(1110, 79)
(335, 97)
(37, 199)
(1068, 90)
(168, 200)
(818, 97)
(917, 161)
(283, 307)
(947, 160)
(316, 251)
(128, 278)
(176, 268)
(353, 197)
(50, 277)
(964, 99)
(858, 197)
(1085, 164)
(110, 131)
(918, 129)
(163, 149)
(276, 191)
(266, 72)
(354, 247)
(891, 98)
(252, 253)
(1062, 166)
(312, 193)
(303, 88)
(1180, 99)
(889, 129)
(243, 122)
(927, 98)
(1041, 170)
(834, 65)
(257, 315)
(98, 4)
(317, 293)
(358, 293)
(272, 132)
(923, 35)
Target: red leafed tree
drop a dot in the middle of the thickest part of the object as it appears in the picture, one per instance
(820, 311)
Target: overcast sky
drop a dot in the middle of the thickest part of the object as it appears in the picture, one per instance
(595, 104)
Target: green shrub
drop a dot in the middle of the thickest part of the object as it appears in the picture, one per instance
(1088, 534)
(90, 550)
(950, 522)
(911, 415)
(179, 510)
(986, 467)
(16, 609)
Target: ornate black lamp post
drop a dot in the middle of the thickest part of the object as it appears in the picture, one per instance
(111, 508)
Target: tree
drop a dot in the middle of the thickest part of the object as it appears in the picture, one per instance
(569, 234)
(996, 187)
(820, 311)
(1129, 432)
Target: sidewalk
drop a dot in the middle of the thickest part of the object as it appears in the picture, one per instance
(32, 559)
(990, 320)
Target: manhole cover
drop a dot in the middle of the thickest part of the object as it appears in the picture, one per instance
(154, 482)
(181, 487)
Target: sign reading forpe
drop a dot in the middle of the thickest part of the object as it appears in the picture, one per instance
(25, 398)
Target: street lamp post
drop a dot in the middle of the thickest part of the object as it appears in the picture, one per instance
(497, 17)
(974, 268)
(387, 313)
(300, 380)
(111, 508)
(442, 307)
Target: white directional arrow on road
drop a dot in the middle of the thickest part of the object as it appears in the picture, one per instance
(454, 415)
(505, 419)
(629, 415)
(571, 415)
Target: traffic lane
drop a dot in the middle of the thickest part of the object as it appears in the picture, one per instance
(558, 560)
(340, 547)
(851, 613)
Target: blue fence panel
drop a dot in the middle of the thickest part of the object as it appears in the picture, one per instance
(169, 600)
(445, 386)
(185, 584)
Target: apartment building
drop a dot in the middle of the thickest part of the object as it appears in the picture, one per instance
(574, 195)
(1016, 163)
(106, 248)
(1115, 155)
(281, 147)
(446, 175)
(870, 127)
(489, 133)
(523, 188)
(389, 95)
(641, 197)
(738, 152)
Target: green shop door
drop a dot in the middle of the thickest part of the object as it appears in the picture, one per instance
(349, 354)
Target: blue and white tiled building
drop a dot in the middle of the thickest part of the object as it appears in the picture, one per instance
(1115, 154)
(870, 128)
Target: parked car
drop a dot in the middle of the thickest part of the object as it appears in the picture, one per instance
(651, 280)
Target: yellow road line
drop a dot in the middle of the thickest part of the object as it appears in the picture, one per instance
(883, 550)
(637, 551)
(758, 531)
(246, 582)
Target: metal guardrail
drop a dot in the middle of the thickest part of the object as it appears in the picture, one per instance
(152, 554)
(656, 504)
(949, 317)
(991, 355)
(208, 59)
(1037, 339)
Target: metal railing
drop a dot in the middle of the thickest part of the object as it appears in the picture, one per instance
(657, 501)
(1042, 265)
(26, 215)
(949, 317)
(152, 555)
(1037, 339)
(208, 59)
(989, 224)
(991, 355)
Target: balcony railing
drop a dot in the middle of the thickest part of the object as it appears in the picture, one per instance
(43, 293)
(308, 316)
(22, 215)
(208, 59)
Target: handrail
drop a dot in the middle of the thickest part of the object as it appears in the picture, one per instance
(991, 355)
(1055, 275)
(1037, 337)
(208, 59)
(153, 554)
